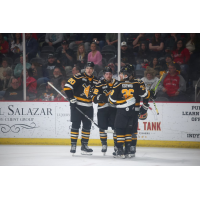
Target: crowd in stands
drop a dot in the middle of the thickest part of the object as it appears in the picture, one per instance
(56, 57)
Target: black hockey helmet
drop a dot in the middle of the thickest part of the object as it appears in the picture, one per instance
(126, 70)
(107, 69)
(90, 64)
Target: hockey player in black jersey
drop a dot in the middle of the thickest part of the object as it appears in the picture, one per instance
(78, 90)
(124, 96)
(106, 111)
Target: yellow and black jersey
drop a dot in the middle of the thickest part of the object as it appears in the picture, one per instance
(80, 87)
(103, 87)
(126, 93)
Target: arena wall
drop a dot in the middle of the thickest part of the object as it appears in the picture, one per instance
(177, 125)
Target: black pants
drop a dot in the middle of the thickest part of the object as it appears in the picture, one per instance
(124, 125)
(106, 118)
(76, 119)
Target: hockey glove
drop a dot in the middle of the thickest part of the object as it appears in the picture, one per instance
(152, 95)
(73, 102)
(143, 112)
(102, 98)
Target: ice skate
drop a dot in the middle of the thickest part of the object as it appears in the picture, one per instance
(104, 148)
(114, 153)
(85, 150)
(133, 151)
(73, 149)
(127, 151)
(120, 153)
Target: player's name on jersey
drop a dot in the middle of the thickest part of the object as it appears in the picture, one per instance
(127, 86)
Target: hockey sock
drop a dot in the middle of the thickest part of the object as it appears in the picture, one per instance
(115, 138)
(134, 139)
(85, 135)
(103, 136)
(74, 135)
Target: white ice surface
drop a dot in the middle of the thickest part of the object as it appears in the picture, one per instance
(45, 155)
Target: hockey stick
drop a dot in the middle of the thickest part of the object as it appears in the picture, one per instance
(155, 93)
(106, 131)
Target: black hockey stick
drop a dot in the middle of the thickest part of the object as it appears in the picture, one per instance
(106, 131)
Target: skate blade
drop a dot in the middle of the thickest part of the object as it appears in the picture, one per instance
(132, 155)
(104, 153)
(128, 156)
(86, 153)
(121, 157)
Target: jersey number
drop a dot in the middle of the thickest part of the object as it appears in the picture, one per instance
(127, 93)
(96, 91)
(71, 81)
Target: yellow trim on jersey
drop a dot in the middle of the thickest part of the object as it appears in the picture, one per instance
(67, 89)
(87, 133)
(122, 101)
(136, 133)
(101, 104)
(82, 99)
(120, 136)
(134, 138)
(101, 132)
(100, 85)
(79, 77)
(124, 83)
(148, 95)
(103, 137)
(120, 141)
(128, 140)
(137, 104)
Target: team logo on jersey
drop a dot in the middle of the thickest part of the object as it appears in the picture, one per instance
(106, 92)
(86, 90)
(143, 87)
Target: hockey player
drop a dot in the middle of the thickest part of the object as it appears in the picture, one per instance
(106, 111)
(124, 96)
(78, 90)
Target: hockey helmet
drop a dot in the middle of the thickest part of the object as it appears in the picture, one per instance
(107, 69)
(90, 64)
(126, 70)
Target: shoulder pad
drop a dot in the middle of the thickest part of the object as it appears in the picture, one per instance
(79, 75)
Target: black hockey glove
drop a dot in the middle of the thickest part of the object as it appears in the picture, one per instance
(102, 98)
(152, 95)
(143, 112)
(73, 102)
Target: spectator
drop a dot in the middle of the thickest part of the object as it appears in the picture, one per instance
(181, 56)
(4, 46)
(156, 46)
(4, 65)
(95, 57)
(37, 72)
(46, 94)
(141, 38)
(31, 46)
(143, 57)
(31, 83)
(53, 39)
(99, 38)
(19, 67)
(68, 72)
(193, 44)
(16, 46)
(15, 92)
(168, 61)
(112, 38)
(76, 70)
(6, 83)
(154, 64)
(173, 85)
(171, 42)
(81, 56)
(85, 38)
(150, 80)
(59, 97)
(49, 67)
(65, 55)
(127, 56)
(57, 78)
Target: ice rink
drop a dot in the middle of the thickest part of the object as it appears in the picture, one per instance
(47, 155)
